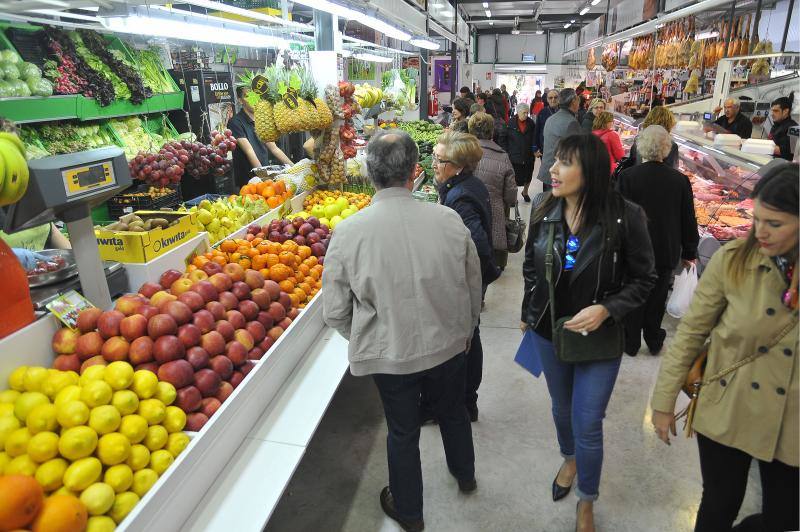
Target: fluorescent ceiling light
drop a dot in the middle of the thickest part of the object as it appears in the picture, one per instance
(63, 14)
(486, 5)
(353, 14)
(584, 10)
(491, 23)
(255, 15)
(488, 13)
(539, 32)
(595, 2)
(706, 35)
(177, 24)
(515, 31)
(572, 21)
(365, 56)
(424, 43)
(567, 25)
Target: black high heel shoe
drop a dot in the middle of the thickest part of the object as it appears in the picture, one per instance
(559, 492)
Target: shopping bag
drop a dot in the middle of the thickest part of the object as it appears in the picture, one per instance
(682, 292)
(529, 354)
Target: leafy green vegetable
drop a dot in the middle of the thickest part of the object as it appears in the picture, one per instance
(6, 90)
(121, 90)
(10, 56)
(9, 70)
(41, 87)
(152, 71)
(29, 71)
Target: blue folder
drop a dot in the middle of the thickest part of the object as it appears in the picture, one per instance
(530, 350)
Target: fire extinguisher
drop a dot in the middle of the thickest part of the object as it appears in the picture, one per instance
(433, 103)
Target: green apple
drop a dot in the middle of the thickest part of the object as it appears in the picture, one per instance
(318, 211)
(347, 212)
(324, 221)
(342, 202)
(329, 201)
(204, 216)
(335, 221)
(353, 207)
(332, 210)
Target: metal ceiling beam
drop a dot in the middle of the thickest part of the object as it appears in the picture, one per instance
(560, 17)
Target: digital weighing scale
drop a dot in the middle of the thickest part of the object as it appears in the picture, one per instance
(67, 187)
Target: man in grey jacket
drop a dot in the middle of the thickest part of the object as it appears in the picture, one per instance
(403, 284)
(562, 124)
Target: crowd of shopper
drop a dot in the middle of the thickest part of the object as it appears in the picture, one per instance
(598, 264)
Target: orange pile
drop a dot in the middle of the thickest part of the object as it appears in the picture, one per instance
(296, 270)
(22, 505)
(275, 192)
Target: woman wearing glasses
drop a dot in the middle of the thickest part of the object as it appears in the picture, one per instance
(603, 268)
(746, 305)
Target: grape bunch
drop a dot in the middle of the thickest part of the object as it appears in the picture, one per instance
(159, 169)
(210, 158)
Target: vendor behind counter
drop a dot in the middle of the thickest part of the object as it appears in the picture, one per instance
(733, 121)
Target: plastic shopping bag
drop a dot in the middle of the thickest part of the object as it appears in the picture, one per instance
(682, 292)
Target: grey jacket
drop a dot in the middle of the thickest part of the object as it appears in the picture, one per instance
(497, 173)
(562, 124)
(403, 283)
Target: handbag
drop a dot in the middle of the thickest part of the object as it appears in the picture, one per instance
(695, 379)
(604, 343)
(622, 164)
(515, 232)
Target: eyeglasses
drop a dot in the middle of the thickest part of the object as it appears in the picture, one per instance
(573, 245)
(438, 161)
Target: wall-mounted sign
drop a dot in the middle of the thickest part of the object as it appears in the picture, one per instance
(528, 58)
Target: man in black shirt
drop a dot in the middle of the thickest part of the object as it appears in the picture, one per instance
(250, 151)
(733, 121)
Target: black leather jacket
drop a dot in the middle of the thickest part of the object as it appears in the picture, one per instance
(618, 275)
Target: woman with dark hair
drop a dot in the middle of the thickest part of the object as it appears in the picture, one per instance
(537, 104)
(500, 104)
(460, 112)
(494, 109)
(782, 121)
(603, 269)
(745, 309)
(521, 140)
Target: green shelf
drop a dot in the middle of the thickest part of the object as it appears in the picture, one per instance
(89, 109)
(39, 108)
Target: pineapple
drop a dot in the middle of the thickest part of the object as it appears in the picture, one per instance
(287, 115)
(308, 112)
(263, 117)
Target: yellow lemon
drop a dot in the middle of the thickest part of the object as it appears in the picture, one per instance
(100, 523)
(104, 419)
(56, 382)
(4, 460)
(72, 414)
(43, 446)
(134, 427)
(92, 373)
(119, 477)
(9, 396)
(64, 491)
(113, 449)
(27, 401)
(17, 442)
(166, 393)
(123, 504)
(67, 394)
(156, 438)
(145, 384)
(143, 480)
(17, 379)
(21, 465)
(139, 457)
(119, 375)
(7, 426)
(42, 418)
(6, 409)
(176, 443)
(152, 410)
(125, 401)
(33, 379)
(77, 442)
(82, 473)
(175, 419)
(96, 393)
(160, 460)
(98, 498)
(51, 473)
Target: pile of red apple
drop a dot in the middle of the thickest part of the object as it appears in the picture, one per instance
(202, 332)
(347, 131)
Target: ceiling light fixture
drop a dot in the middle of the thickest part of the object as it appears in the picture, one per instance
(353, 14)
(422, 42)
(515, 31)
(584, 10)
(567, 25)
(255, 15)
(486, 5)
(706, 35)
(491, 23)
(595, 2)
(365, 56)
(488, 14)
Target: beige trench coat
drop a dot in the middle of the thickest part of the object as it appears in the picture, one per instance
(754, 408)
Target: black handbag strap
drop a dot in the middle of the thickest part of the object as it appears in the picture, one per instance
(548, 275)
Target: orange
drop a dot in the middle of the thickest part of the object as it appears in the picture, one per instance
(268, 191)
(256, 241)
(244, 263)
(235, 256)
(300, 293)
(304, 269)
(250, 237)
(305, 287)
(259, 261)
(279, 272)
(21, 497)
(273, 202)
(228, 246)
(294, 299)
(274, 247)
(280, 186)
(272, 260)
(61, 513)
(290, 245)
(251, 253)
(304, 252)
(311, 261)
(287, 258)
(287, 286)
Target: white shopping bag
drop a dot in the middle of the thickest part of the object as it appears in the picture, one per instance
(682, 292)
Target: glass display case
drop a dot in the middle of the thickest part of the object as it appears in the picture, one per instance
(627, 128)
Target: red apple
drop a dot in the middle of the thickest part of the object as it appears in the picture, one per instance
(273, 289)
(160, 298)
(180, 312)
(221, 281)
(65, 341)
(318, 249)
(181, 285)
(197, 275)
(213, 342)
(179, 373)
(225, 328)
(189, 335)
(253, 279)
(94, 361)
(234, 271)
(284, 323)
(115, 349)
(247, 367)
(222, 365)
(256, 330)
(216, 309)
(149, 289)
(244, 338)
(67, 363)
(206, 290)
(141, 351)
(108, 323)
(236, 318)
(87, 319)
(168, 348)
(236, 379)
(275, 333)
(293, 313)
(276, 311)
(285, 301)
(193, 300)
(195, 421)
(207, 381)
(225, 391)
(236, 352)
(266, 343)
(89, 345)
(249, 309)
(228, 300)
(265, 319)
(152, 367)
(255, 354)
(188, 399)
(160, 325)
(133, 327)
(240, 290)
(204, 321)
(261, 298)
(129, 304)
(169, 277)
(210, 405)
(211, 268)
(197, 357)
(148, 311)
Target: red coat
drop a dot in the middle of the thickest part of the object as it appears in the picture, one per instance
(613, 145)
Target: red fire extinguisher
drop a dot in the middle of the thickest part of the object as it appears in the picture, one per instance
(433, 103)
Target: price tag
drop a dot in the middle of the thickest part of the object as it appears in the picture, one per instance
(260, 85)
(66, 307)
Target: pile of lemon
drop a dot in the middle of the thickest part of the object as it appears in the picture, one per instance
(104, 436)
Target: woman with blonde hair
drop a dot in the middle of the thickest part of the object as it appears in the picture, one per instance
(658, 116)
(596, 106)
(602, 128)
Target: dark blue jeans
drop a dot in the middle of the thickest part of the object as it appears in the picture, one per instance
(443, 387)
(580, 394)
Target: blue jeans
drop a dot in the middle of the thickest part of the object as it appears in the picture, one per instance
(580, 394)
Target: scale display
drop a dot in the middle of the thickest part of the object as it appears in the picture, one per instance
(83, 179)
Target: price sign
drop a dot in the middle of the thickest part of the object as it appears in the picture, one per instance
(66, 307)
(259, 85)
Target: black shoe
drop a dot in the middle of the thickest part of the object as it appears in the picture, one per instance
(559, 492)
(473, 412)
(387, 503)
(526, 198)
(467, 486)
(655, 348)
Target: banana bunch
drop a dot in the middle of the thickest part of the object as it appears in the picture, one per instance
(13, 169)
(367, 96)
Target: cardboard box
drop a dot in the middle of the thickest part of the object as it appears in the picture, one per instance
(132, 247)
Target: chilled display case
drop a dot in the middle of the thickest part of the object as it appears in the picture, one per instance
(627, 128)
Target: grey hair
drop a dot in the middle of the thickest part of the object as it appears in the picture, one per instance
(735, 101)
(552, 91)
(391, 158)
(654, 143)
(566, 97)
(476, 108)
(523, 107)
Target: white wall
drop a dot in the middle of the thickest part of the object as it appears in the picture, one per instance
(511, 47)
